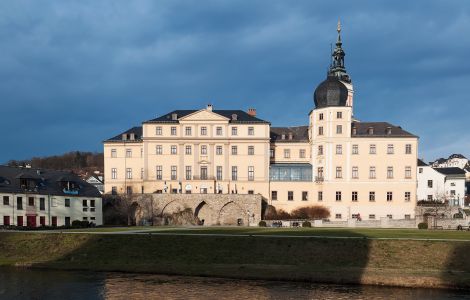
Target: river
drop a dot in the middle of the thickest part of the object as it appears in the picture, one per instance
(48, 284)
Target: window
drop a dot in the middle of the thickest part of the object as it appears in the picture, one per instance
(204, 173)
(271, 153)
(290, 196)
(389, 216)
(158, 130)
(390, 149)
(19, 203)
(67, 202)
(339, 115)
(339, 129)
(173, 149)
(114, 173)
(218, 131)
(339, 172)
(371, 217)
(234, 131)
(204, 130)
(219, 172)
(188, 173)
(188, 150)
(407, 196)
(420, 170)
(173, 173)
(251, 192)
(429, 183)
(302, 153)
(304, 196)
(286, 153)
(42, 203)
(203, 150)
(408, 172)
(354, 196)
(339, 149)
(355, 172)
(6, 200)
(320, 150)
(389, 196)
(251, 150)
(372, 149)
(31, 201)
(320, 116)
(337, 216)
(234, 173)
(158, 150)
(372, 196)
(320, 172)
(128, 173)
(187, 130)
(372, 174)
(234, 150)
(320, 130)
(407, 217)
(251, 131)
(389, 172)
(159, 173)
(408, 149)
(338, 196)
(320, 196)
(273, 195)
(128, 153)
(251, 173)
(173, 130)
(429, 197)
(85, 203)
(113, 153)
(85, 218)
(355, 149)
(218, 150)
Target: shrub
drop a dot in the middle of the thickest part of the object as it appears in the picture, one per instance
(81, 224)
(270, 213)
(311, 212)
(306, 224)
(423, 226)
(262, 224)
(283, 215)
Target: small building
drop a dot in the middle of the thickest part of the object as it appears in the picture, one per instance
(97, 181)
(34, 197)
(441, 184)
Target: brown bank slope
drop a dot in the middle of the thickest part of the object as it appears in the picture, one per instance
(361, 261)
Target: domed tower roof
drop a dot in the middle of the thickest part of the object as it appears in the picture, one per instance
(333, 91)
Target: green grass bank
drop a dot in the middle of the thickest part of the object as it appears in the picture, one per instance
(409, 263)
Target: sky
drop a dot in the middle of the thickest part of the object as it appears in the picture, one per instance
(74, 73)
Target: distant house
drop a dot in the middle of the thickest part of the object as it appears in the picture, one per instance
(35, 197)
(441, 184)
(97, 181)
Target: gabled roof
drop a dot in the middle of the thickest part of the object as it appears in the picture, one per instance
(450, 171)
(457, 156)
(242, 116)
(298, 133)
(48, 182)
(422, 163)
(137, 131)
(379, 129)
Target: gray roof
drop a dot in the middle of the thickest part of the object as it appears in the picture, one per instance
(422, 163)
(242, 116)
(379, 130)
(46, 182)
(450, 171)
(298, 133)
(137, 131)
(331, 92)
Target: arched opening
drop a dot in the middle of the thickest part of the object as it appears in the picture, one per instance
(232, 214)
(204, 214)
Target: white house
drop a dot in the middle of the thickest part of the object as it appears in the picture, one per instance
(35, 197)
(441, 184)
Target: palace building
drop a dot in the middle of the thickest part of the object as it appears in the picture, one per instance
(354, 168)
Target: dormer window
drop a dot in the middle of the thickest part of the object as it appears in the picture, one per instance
(354, 131)
(234, 117)
(389, 130)
(370, 131)
(283, 136)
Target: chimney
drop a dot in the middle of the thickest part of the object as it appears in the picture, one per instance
(174, 116)
(252, 112)
(209, 107)
(234, 117)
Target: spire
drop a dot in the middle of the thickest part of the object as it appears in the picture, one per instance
(337, 67)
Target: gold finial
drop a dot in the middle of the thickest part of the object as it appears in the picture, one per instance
(339, 26)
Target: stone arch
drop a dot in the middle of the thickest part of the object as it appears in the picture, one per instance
(135, 214)
(231, 214)
(171, 207)
(204, 213)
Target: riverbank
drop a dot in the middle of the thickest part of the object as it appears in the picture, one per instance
(406, 263)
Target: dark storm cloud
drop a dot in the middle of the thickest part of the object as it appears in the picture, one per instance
(73, 73)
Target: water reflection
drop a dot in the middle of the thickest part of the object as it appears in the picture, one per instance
(42, 284)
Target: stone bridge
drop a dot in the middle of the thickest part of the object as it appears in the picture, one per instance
(208, 209)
